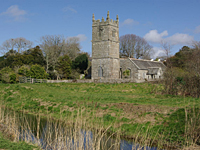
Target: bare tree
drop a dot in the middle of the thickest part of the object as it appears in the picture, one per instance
(196, 45)
(55, 46)
(72, 47)
(52, 47)
(167, 48)
(19, 44)
(134, 46)
(143, 49)
(22, 44)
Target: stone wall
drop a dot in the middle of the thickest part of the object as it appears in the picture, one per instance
(70, 81)
(96, 81)
(110, 68)
(126, 64)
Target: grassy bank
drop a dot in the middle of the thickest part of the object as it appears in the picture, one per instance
(140, 111)
(8, 141)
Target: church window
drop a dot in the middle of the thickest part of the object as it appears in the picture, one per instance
(120, 73)
(100, 72)
(100, 32)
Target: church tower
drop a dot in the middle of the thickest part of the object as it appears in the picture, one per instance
(105, 48)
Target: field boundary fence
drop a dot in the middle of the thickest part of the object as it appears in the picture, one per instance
(31, 80)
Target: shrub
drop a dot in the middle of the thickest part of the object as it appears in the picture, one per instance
(7, 75)
(24, 71)
(38, 72)
(12, 78)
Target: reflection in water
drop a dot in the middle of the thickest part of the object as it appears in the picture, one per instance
(56, 135)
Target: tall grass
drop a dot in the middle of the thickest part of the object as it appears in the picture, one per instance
(83, 133)
(99, 115)
(73, 134)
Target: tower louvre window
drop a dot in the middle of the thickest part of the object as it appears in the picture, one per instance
(113, 33)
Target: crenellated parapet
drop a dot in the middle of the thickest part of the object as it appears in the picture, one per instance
(103, 22)
(105, 48)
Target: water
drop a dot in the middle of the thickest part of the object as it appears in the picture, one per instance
(57, 135)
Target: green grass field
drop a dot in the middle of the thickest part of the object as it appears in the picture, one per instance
(132, 107)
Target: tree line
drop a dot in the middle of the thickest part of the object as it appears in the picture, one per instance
(55, 58)
(182, 76)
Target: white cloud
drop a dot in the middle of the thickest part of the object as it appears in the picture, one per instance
(69, 9)
(178, 38)
(129, 22)
(81, 37)
(154, 36)
(158, 51)
(197, 29)
(14, 12)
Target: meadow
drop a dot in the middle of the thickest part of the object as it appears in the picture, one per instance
(137, 111)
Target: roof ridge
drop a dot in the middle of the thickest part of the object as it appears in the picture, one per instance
(134, 63)
(145, 60)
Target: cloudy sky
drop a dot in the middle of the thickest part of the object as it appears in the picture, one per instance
(174, 21)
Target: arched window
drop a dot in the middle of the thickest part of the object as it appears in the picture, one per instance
(100, 72)
(120, 73)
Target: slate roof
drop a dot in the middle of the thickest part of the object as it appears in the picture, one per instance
(145, 64)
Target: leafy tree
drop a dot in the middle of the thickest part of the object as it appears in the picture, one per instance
(81, 63)
(7, 75)
(13, 60)
(24, 71)
(180, 58)
(183, 74)
(64, 66)
(38, 72)
(34, 56)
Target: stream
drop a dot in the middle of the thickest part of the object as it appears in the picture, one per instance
(52, 134)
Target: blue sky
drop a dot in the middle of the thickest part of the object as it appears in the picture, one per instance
(174, 21)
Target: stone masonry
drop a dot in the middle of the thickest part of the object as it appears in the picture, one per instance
(105, 48)
(106, 64)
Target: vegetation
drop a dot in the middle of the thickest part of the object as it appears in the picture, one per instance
(134, 46)
(182, 76)
(64, 66)
(81, 63)
(139, 111)
(55, 55)
(165, 114)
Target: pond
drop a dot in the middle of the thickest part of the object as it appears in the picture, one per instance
(52, 134)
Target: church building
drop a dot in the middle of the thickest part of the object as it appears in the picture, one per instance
(106, 63)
